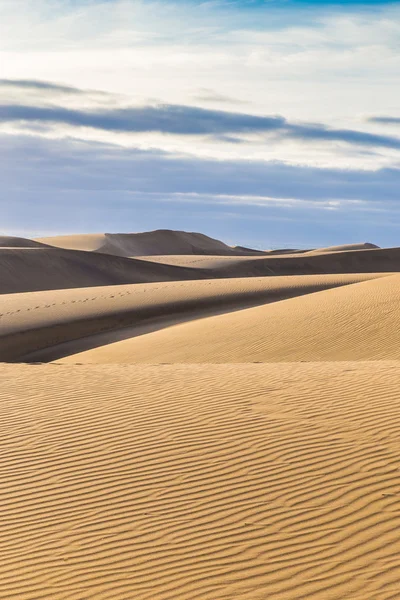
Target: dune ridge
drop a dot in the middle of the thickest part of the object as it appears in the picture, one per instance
(38, 320)
(354, 322)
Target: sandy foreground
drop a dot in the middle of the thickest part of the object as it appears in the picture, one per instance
(200, 481)
(213, 436)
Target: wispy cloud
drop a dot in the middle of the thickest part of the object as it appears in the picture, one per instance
(189, 120)
(385, 120)
(42, 86)
(207, 95)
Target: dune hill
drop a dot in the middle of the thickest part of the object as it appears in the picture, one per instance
(42, 268)
(44, 320)
(162, 241)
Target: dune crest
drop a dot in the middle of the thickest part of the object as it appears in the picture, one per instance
(161, 241)
(354, 322)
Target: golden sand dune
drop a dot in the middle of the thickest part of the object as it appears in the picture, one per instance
(42, 268)
(354, 322)
(230, 482)
(162, 241)
(33, 321)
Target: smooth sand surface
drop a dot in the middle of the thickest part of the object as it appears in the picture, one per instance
(355, 322)
(200, 482)
(212, 424)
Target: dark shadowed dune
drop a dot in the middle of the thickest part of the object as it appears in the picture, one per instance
(8, 241)
(34, 269)
(351, 261)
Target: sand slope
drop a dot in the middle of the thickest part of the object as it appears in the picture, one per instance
(33, 321)
(355, 322)
(224, 482)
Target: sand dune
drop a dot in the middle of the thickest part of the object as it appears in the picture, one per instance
(33, 321)
(355, 322)
(109, 259)
(162, 241)
(226, 482)
(318, 262)
(339, 259)
(34, 269)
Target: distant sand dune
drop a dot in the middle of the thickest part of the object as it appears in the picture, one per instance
(224, 482)
(345, 261)
(162, 241)
(33, 321)
(339, 260)
(27, 265)
(355, 322)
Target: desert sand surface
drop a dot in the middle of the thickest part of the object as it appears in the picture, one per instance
(200, 481)
(181, 419)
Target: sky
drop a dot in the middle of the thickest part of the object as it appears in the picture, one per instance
(263, 123)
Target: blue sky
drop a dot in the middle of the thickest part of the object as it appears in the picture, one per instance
(262, 123)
